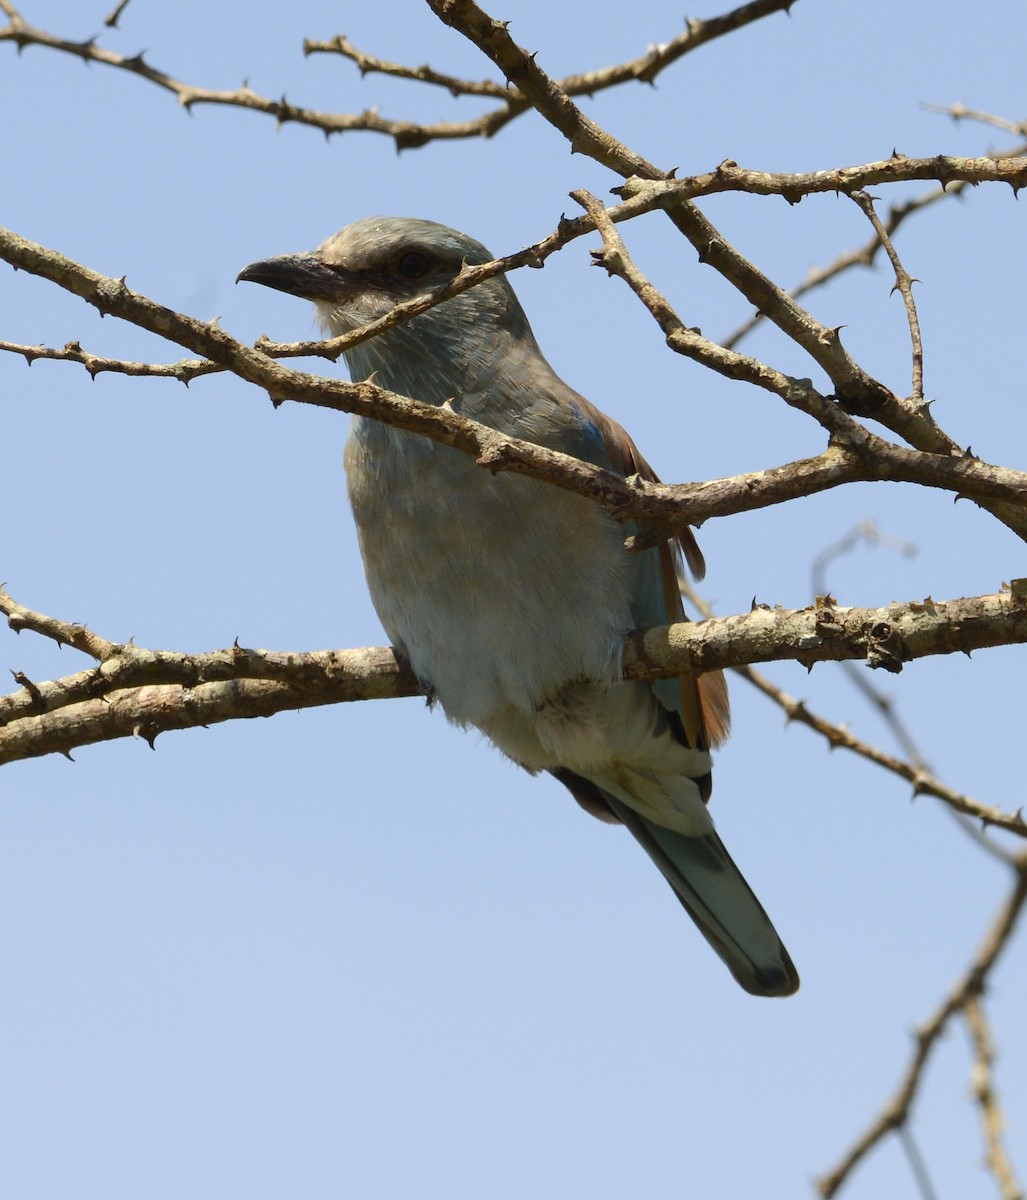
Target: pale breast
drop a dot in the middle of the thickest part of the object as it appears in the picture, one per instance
(499, 589)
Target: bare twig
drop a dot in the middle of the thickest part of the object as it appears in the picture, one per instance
(904, 284)
(970, 986)
(114, 16)
(406, 134)
(185, 370)
(960, 112)
(923, 782)
(867, 531)
(133, 687)
(645, 68)
(865, 255)
(983, 1090)
(855, 453)
(862, 256)
(369, 64)
(698, 32)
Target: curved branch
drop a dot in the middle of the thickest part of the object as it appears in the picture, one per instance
(369, 64)
(858, 391)
(983, 1089)
(969, 987)
(643, 69)
(840, 737)
(185, 370)
(406, 134)
(855, 454)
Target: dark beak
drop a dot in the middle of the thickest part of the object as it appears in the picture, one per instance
(306, 275)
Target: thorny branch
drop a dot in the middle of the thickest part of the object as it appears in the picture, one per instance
(406, 134)
(1010, 168)
(132, 691)
(135, 691)
(853, 454)
(969, 987)
(983, 1091)
(643, 69)
(915, 765)
(185, 370)
(865, 255)
(855, 390)
(840, 737)
(904, 285)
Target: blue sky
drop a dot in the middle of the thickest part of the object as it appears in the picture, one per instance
(354, 951)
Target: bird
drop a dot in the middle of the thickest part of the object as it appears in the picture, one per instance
(510, 598)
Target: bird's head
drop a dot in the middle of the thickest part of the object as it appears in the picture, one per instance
(362, 272)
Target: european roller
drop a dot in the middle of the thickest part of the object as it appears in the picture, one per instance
(511, 598)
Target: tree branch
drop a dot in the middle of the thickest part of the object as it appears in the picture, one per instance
(854, 388)
(983, 1090)
(863, 256)
(970, 986)
(855, 454)
(406, 134)
(924, 783)
(139, 692)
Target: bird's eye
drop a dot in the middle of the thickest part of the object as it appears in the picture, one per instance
(413, 264)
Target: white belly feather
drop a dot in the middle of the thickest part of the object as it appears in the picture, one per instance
(428, 573)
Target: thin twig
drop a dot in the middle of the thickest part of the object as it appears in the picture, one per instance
(839, 737)
(867, 531)
(406, 134)
(983, 1090)
(865, 255)
(185, 370)
(114, 16)
(369, 64)
(960, 112)
(969, 986)
(904, 284)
